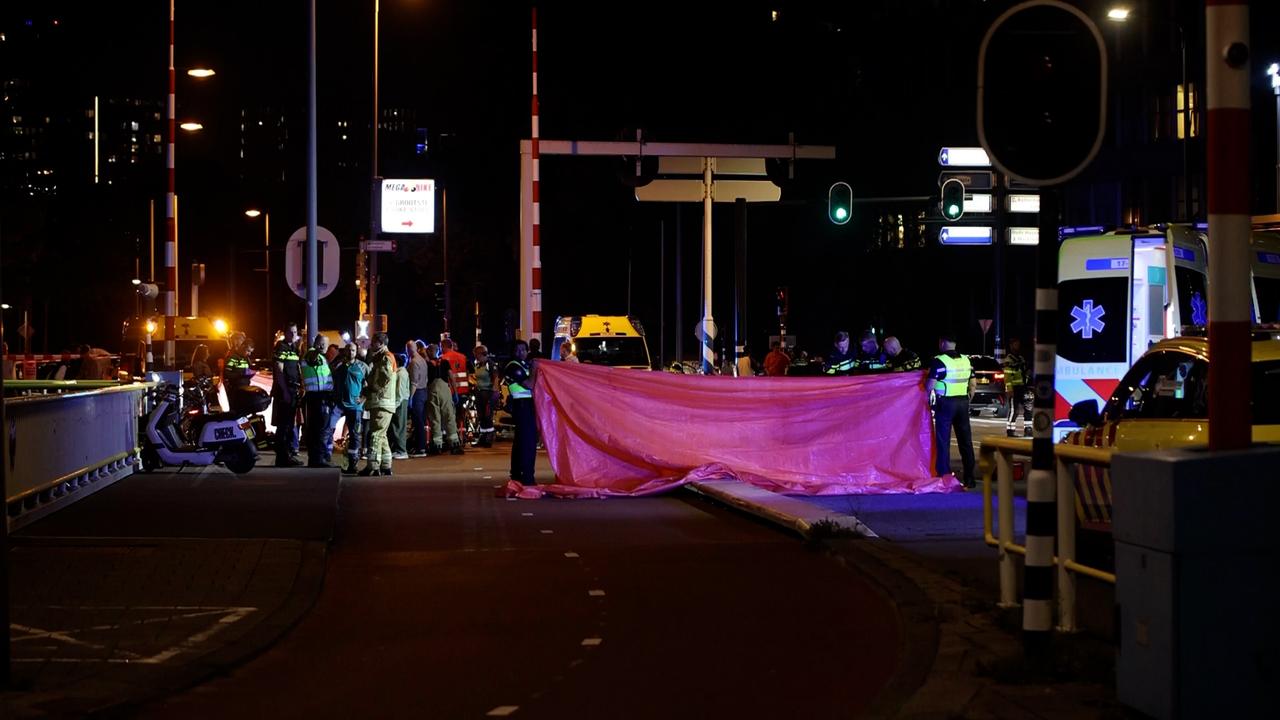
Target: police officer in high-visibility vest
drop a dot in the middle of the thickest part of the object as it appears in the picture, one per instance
(317, 383)
(951, 378)
(1016, 379)
(840, 361)
(519, 378)
(286, 393)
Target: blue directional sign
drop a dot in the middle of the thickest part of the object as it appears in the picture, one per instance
(1088, 319)
(965, 235)
(1106, 264)
(963, 157)
(1269, 258)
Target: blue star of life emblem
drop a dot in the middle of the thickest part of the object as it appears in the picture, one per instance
(1088, 319)
(1199, 310)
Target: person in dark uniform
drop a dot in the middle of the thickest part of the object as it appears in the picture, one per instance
(1016, 379)
(286, 391)
(899, 358)
(839, 361)
(869, 358)
(951, 376)
(519, 376)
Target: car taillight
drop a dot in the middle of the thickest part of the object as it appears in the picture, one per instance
(999, 376)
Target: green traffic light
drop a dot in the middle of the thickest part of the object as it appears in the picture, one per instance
(953, 210)
(842, 213)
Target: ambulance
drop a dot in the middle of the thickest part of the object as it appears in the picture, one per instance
(613, 340)
(1119, 293)
(1264, 256)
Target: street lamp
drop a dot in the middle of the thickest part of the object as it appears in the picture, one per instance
(201, 72)
(1118, 13)
(191, 126)
(266, 254)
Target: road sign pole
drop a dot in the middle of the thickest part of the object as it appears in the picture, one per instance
(739, 282)
(998, 194)
(313, 300)
(708, 323)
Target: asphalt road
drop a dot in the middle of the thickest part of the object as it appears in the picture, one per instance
(442, 601)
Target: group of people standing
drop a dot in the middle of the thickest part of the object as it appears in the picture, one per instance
(394, 406)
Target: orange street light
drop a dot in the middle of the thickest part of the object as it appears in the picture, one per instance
(191, 126)
(201, 72)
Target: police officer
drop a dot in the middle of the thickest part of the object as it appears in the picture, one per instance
(1016, 379)
(899, 359)
(317, 383)
(840, 361)
(519, 378)
(286, 391)
(869, 358)
(952, 378)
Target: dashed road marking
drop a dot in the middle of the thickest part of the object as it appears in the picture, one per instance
(487, 477)
(502, 711)
(480, 468)
(595, 593)
(526, 514)
(571, 555)
(546, 532)
(591, 642)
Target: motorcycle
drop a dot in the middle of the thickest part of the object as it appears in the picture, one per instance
(181, 430)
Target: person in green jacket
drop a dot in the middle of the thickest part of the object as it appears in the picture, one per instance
(397, 435)
(380, 400)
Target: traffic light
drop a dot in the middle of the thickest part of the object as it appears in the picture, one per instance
(840, 203)
(437, 298)
(780, 301)
(952, 199)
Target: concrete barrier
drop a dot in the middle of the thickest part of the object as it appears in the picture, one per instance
(62, 447)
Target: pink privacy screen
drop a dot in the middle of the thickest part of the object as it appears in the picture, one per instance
(628, 432)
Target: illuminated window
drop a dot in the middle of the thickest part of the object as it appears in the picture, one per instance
(133, 126)
(1187, 102)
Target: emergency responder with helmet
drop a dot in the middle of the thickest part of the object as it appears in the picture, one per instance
(317, 383)
(840, 361)
(519, 376)
(951, 378)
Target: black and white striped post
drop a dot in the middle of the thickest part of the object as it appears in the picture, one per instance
(1037, 581)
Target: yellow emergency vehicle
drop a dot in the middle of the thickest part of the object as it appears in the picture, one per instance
(189, 332)
(613, 340)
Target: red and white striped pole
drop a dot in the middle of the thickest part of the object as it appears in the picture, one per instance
(170, 223)
(1227, 150)
(535, 299)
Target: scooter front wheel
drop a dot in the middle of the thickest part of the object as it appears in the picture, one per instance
(240, 459)
(150, 460)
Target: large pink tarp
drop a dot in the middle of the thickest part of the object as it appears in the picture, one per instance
(627, 432)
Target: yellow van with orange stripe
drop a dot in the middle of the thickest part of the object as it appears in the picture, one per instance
(1163, 402)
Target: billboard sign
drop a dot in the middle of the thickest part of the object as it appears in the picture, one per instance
(408, 206)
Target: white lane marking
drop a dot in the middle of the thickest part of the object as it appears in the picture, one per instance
(487, 477)
(546, 532)
(595, 593)
(477, 468)
(513, 499)
(502, 711)
(591, 642)
(571, 555)
(526, 514)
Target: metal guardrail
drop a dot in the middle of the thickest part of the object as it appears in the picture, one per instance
(66, 445)
(27, 387)
(996, 456)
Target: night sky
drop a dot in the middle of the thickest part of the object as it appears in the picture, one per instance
(887, 83)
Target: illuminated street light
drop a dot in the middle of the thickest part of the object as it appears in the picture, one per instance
(253, 213)
(191, 126)
(136, 282)
(1118, 14)
(5, 306)
(201, 72)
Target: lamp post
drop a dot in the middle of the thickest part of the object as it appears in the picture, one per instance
(1273, 71)
(266, 260)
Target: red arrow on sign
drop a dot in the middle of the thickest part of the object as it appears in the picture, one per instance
(407, 223)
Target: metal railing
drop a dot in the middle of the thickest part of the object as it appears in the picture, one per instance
(62, 446)
(996, 456)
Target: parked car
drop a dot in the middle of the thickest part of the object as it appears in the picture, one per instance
(988, 391)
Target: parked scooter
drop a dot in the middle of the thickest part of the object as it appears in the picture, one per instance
(190, 434)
